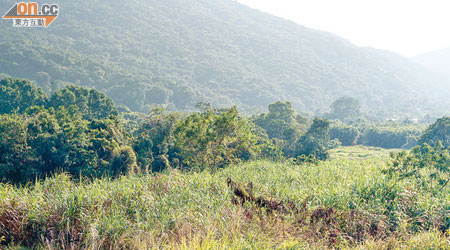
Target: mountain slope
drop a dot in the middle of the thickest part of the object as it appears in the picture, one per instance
(178, 52)
(437, 61)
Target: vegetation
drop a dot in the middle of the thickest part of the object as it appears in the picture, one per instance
(177, 53)
(392, 136)
(283, 125)
(190, 158)
(347, 203)
(316, 140)
(78, 131)
(347, 135)
(438, 131)
(345, 108)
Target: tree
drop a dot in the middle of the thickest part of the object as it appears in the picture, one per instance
(18, 160)
(282, 125)
(91, 103)
(345, 107)
(154, 141)
(347, 135)
(438, 131)
(316, 141)
(215, 139)
(17, 95)
(48, 141)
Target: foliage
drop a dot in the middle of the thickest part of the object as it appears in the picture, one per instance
(345, 108)
(17, 159)
(151, 53)
(428, 165)
(154, 142)
(17, 95)
(91, 103)
(215, 138)
(283, 125)
(438, 131)
(391, 136)
(48, 141)
(316, 141)
(347, 135)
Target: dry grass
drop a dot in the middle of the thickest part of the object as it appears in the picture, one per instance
(342, 203)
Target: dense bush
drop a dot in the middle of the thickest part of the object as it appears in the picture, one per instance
(316, 141)
(428, 165)
(283, 125)
(438, 131)
(216, 138)
(154, 142)
(17, 95)
(391, 137)
(91, 103)
(347, 135)
(345, 108)
(43, 142)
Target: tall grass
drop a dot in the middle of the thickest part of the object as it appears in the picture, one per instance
(176, 210)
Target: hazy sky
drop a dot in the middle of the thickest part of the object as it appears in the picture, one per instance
(408, 27)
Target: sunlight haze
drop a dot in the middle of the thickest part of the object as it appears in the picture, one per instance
(408, 27)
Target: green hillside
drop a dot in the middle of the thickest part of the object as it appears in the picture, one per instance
(437, 61)
(179, 52)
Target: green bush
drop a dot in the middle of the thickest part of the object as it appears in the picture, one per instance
(438, 131)
(48, 141)
(283, 125)
(316, 141)
(391, 137)
(428, 165)
(215, 139)
(17, 95)
(347, 135)
(91, 103)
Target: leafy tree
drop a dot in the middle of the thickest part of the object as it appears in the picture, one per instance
(438, 131)
(347, 135)
(345, 107)
(48, 141)
(154, 142)
(90, 102)
(283, 125)
(17, 95)
(214, 139)
(18, 161)
(316, 141)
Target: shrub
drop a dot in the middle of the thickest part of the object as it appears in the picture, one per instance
(347, 135)
(391, 137)
(48, 141)
(214, 139)
(316, 141)
(428, 165)
(438, 131)
(17, 95)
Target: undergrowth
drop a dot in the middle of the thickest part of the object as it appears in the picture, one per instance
(343, 203)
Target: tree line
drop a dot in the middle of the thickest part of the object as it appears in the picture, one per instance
(80, 131)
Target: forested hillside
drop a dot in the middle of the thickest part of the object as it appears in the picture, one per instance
(437, 61)
(179, 52)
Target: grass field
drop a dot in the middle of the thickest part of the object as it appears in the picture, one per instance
(344, 203)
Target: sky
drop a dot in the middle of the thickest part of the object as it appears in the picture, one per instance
(408, 27)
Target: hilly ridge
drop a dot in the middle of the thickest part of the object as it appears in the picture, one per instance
(437, 61)
(178, 52)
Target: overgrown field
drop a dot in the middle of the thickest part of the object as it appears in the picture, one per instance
(346, 202)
